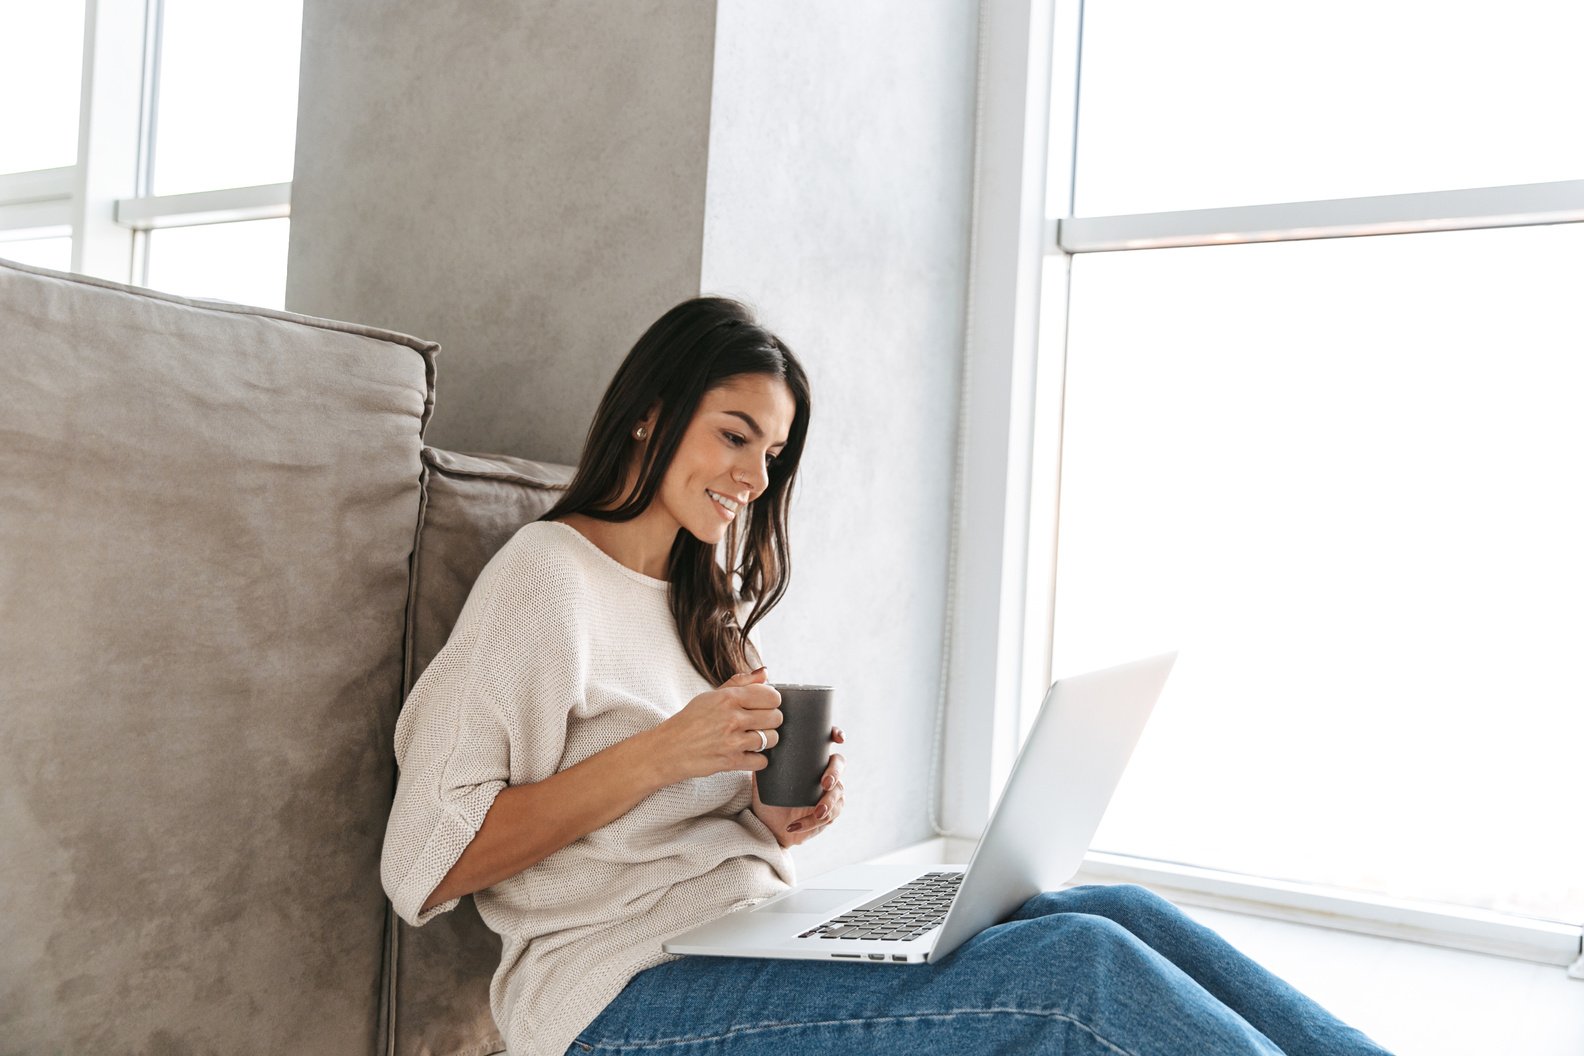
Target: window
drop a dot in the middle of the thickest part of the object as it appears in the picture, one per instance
(251, 257)
(177, 175)
(227, 111)
(1238, 102)
(41, 48)
(1336, 472)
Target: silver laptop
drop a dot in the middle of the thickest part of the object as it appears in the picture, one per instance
(1036, 839)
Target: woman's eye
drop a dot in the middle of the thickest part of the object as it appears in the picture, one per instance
(738, 441)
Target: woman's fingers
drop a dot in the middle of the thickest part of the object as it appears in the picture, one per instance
(762, 718)
(824, 814)
(830, 804)
(772, 738)
(815, 829)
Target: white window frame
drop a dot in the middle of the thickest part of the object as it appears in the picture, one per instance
(103, 202)
(36, 204)
(1001, 585)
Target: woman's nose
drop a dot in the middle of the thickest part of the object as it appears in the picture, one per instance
(756, 476)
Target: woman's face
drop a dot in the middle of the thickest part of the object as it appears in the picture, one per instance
(738, 427)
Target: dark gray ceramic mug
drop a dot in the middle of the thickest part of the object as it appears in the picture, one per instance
(798, 760)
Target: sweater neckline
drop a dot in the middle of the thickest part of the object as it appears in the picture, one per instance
(631, 573)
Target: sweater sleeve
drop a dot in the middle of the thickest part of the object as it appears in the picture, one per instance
(510, 647)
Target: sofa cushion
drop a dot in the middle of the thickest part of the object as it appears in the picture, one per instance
(207, 513)
(472, 505)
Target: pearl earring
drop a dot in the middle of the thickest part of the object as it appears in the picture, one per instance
(640, 433)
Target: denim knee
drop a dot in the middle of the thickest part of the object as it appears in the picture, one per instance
(1136, 896)
(1081, 898)
(1044, 903)
(1099, 939)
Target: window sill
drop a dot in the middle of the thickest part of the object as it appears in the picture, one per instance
(1435, 924)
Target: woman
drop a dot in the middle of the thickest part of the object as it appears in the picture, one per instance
(581, 754)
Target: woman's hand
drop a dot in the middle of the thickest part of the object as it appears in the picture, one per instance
(793, 825)
(716, 730)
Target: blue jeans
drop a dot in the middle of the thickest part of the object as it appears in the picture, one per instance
(1096, 969)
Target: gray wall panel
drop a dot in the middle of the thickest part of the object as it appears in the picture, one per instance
(521, 181)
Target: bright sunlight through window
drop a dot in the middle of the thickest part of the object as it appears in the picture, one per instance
(1342, 476)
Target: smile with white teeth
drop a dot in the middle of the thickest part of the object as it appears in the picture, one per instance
(728, 504)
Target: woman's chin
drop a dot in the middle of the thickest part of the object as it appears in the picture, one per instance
(711, 532)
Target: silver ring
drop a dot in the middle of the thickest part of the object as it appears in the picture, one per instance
(764, 742)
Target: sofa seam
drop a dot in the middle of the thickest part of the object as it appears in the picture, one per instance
(420, 345)
(409, 617)
(394, 942)
(393, 951)
(510, 477)
(426, 349)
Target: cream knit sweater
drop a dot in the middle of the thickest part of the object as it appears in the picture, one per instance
(560, 652)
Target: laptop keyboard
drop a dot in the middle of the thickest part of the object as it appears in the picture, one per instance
(903, 913)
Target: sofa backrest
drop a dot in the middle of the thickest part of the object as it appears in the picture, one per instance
(472, 505)
(207, 513)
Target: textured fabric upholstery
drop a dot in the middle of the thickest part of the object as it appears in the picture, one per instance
(472, 505)
(207, 514)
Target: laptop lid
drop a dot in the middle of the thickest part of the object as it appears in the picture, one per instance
(1058, 791)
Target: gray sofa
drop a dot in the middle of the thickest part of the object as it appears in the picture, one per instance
(225, 555)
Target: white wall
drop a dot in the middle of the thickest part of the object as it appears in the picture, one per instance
(841, 150)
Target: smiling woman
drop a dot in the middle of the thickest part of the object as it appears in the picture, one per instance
(575, 758)
(708, 405)
(580, 754)
(709, 452)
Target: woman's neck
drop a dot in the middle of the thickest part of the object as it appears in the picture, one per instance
(642, 544)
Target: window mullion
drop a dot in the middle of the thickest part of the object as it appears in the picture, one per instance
(36, 204)
(987, 591)
(148, 142)
(38, 185)
(264, 202)
(1050, 374)
(1392, 214)
(109, 133)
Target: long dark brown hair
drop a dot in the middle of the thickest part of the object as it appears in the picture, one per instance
(700, 344)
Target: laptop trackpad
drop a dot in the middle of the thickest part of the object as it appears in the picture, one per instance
(813, 900)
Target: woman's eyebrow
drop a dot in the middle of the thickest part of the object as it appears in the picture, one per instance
(758, 432)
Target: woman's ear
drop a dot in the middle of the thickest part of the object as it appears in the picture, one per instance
(650, 417)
